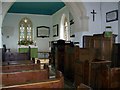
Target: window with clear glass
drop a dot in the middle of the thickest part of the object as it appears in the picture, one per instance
(66, 29)
(25, 30)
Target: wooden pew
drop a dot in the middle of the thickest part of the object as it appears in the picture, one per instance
(17, 62)
(19, 67)
(115, 78)
(15, 78)
(31, 80)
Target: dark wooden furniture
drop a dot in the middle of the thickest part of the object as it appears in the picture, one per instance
(60, 55)
(115, 55)
(78, 73)
(102, 44)
(100, 74)
(82, 70)
(87, 41)
(94, 74)
(30, 80)
(63, 54)
(88, 69)
(9, 56)
(19, 67)
(15, 56)
(97, 74)
(15, 78)
(17, 62)
(115, 78)
(69, 61)
(76, 53)
(83, 87)
(53, 52)
(93, 68)
(87, 54)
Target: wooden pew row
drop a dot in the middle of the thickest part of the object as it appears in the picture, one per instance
(15, 78)
(31, 80)
(19, 67)
(115, 78)
(17, 62)
(94, 72)
(104, 79)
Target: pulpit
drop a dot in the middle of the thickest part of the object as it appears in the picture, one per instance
(102, 44)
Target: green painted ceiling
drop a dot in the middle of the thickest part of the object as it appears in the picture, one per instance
(43, 8)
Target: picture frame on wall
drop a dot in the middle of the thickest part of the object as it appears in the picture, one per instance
(55, 30)
(71, 28)
(112, 16)
(43, 31)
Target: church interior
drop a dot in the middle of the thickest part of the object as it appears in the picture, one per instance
(73, 45)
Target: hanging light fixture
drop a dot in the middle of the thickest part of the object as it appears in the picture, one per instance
(25, 20)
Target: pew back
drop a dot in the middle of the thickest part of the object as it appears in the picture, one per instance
(15, 78)
(19, 67)
(58, 82)
(115, 78)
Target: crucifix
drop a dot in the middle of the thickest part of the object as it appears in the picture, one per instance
(93, 12)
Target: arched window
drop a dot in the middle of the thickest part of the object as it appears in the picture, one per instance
(64, 28)
(25, 30)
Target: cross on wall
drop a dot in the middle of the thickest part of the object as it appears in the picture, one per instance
(93, 12)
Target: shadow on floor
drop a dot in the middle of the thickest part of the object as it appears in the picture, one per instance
(68, 84)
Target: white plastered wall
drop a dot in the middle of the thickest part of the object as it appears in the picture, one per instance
(77, 10)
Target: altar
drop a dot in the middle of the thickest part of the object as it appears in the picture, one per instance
(25, 49)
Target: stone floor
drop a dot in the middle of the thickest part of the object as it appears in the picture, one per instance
(68, 84)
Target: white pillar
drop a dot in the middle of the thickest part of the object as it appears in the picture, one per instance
(0, 31)
(0, 39)
(119, 22)
(0, 24)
